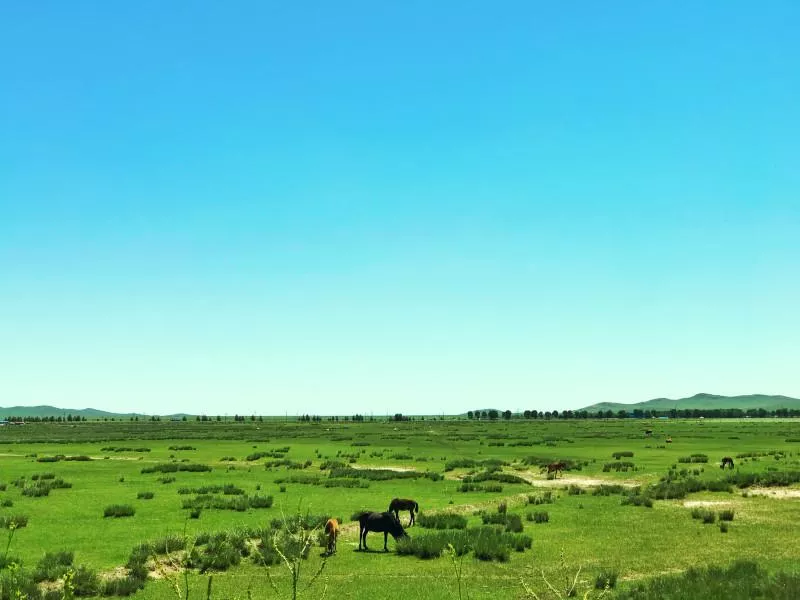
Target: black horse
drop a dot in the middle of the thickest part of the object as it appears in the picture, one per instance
(399, 504)
(381, 522)
(727, 461)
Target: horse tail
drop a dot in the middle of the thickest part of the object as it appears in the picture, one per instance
(416, 507)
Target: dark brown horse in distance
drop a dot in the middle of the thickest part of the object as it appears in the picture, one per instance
(398, 504)
(555, 467)
(331, 533)
(727, 461)
(381, 522)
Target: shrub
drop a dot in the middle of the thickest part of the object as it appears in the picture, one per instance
(707, 516)
(543, 498)
(606, 580)
(119, 510)
(6, 502)
(514, 523)
(182, 448)
(85, 582)
(167, 544)
(502, 508)
(575, 490)
(608, 490)
(624, 454)
(145, 495)
(175, 467)
(638, 499)
(165, 479)
(52, 566)
(743, 580)
(442, 521)
(726, 515)
(723, 527)
(618, 466)
(540, 517)
(14, 521)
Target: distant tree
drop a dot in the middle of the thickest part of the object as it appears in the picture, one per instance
(484, 414)
(622, 414)
(493, 414)
(470, 414)
(507, 415)
(555, 414)
(526, 414)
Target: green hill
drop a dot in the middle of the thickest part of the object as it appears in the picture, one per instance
(703, 401)
(52, 411)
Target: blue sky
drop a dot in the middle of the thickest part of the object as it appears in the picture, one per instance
(397, 207)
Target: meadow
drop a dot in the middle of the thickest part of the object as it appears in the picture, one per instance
(178, 503)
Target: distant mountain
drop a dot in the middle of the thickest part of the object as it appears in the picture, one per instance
(703, 401)
(52, 411)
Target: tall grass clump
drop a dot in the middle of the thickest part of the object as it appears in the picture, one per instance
(119, 510)
(442, 521)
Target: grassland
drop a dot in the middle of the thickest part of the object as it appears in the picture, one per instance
(594, 532)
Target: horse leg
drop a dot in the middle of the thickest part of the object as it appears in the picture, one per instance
(362, 535)
(385, 539)
(412, 518)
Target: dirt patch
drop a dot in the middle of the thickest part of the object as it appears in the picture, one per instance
(536, 480)
(381, 468)
(696, 503)
(783, 494)
(166, 567)
(115, 573)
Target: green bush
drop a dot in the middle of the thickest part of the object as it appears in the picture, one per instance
(543, 498)
(743, 580)
(539, 516)
(726, 515)
(85, 582)
(145, 495)
(119, 510)
(175, 467)
(442, 521)
(707, 516)
(52, 566)
(606, 580)
(623, 454)
(514, 523)
(14, 521)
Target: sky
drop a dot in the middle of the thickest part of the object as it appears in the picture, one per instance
(378, 207)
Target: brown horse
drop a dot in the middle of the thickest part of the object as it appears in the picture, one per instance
(331, 533)
(726, 461)
(555, 467)
(399, 504)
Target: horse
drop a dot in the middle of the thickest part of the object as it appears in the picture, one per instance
(726, 461)
(648, 432)
(385, 522)
(399, 504)
(555, 467)
(669, 440)
(331, 533)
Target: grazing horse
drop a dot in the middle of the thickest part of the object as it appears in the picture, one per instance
(399, 504)
(669, 440)
(648, 432)
(385, 522)
(555, 467)
(331, 533)
(726, 461)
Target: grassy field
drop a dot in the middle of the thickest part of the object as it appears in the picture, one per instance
(596, 533)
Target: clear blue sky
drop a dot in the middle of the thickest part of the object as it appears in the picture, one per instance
(423, 207)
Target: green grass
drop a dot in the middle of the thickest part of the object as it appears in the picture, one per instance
(588, 528)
